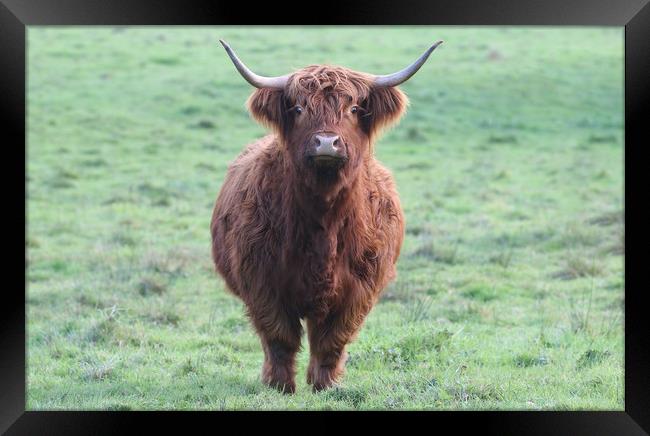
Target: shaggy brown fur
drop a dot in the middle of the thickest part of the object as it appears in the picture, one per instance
(297, 242)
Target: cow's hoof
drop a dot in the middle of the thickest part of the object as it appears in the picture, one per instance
(325, 376)
(284, 387)
(323, 379)
(317, 387)
(279, 378)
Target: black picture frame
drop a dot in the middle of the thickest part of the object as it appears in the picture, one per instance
(16, 15)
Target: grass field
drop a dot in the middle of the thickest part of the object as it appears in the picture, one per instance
(509, 165)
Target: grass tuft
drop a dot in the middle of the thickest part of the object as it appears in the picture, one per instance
(95, 370)
(577, 266)
(437, 252)
(592, 357)
(608, 218)
(151, 286)
(526, 360)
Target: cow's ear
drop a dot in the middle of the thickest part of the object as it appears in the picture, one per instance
(384, 107)
(267, 107)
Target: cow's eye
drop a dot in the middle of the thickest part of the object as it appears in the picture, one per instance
(297, 110)
(354, 109)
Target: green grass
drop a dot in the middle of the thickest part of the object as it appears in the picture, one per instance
(510, 292)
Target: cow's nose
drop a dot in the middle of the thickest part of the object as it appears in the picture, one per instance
(327, 145)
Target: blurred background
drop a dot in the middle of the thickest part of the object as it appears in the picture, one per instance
(509, 165)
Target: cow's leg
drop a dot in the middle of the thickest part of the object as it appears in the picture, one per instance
(280, 336)
(328, 339)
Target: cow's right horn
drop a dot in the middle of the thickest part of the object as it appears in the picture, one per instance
(252, 78)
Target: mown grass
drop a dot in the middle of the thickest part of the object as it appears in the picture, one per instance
(509, 166)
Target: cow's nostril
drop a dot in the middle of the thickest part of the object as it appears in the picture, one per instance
(336, 141)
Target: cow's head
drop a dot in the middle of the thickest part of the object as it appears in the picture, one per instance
(327, 116)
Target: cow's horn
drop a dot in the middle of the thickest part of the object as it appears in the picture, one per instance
(402, 76)
(251, 77)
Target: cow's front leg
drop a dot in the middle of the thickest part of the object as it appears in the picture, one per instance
(327, 341)
(326, 367)
(279, 370)
(280, 337)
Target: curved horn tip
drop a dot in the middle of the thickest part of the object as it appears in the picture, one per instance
(435, 46)
(252, 78)
(225, 45)
(403, 75)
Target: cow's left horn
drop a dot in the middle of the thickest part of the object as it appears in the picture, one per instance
(252, 78)
(402, 76)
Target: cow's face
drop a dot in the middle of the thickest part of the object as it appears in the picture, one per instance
(327, 117)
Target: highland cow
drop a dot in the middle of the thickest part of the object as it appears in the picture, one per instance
(308, 224)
